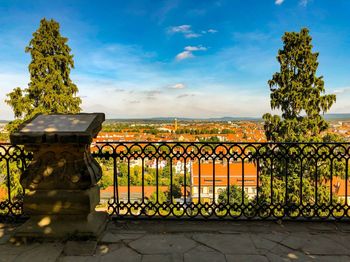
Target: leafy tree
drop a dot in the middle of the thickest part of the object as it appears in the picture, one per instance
(299, 94)
(14, 169)
(235, 195)
(296, 90)
(107, 171)
(50, 89)
(162, 197)
(176, 191)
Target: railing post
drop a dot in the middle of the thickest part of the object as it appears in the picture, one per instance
(60, 183)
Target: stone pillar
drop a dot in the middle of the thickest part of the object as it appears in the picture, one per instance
(60, 183)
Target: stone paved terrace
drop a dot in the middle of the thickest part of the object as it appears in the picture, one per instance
(193, 241)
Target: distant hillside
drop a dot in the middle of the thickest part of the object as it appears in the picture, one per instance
(337, 116)
(171, 119)
(344, 116)
(329, 117)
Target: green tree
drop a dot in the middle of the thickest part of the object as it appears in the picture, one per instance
(107, 171)
(162, 197)
(297, 91)
(299, 94)
(176, 191)
(50, 89)
(235, 195)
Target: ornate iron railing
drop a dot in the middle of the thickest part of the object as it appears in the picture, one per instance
(207, 180)
(225, 180)
(13, 160)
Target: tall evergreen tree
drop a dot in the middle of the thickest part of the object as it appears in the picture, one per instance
(50, 89)
(297, 92)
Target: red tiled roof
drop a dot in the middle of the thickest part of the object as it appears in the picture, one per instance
(221, 173)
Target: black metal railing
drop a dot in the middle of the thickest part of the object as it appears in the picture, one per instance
(225, 180)
(13, 160)
(207, 180)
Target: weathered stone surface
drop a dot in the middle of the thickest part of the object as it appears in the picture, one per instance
(123, 254)
(10, 249)
(51, 128)
(105, 249)
(157, 258)
(4, 236)
(60, 166)
(6, 231)
(253, 258)
(341, 239)
(62, 227)
(61, 179)
(109, 237)
(162, 244)
(268, 241)
(228, 244)
(80, 248)
(281, 253)
(331, 258)
(79, 259)
(203, 254)
(308, 244)
(59, 123)
(127, 231)
(46, 253)
(322, 227)
(63, 202)
(7, 258)
(343, 227)
(314, 244)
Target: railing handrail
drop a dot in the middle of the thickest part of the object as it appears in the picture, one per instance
(275, 166)
(222, 142)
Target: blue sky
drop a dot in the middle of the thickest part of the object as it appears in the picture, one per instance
(177, 57)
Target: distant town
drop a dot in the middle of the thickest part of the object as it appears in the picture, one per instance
(194, 130)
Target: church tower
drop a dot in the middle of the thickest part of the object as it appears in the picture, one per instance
(175, 124)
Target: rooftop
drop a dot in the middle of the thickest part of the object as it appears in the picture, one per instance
(146, 240)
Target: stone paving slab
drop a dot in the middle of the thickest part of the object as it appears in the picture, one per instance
(162, 244)
(79, 259)
(255, 258)
(227, 243)
(316, 244)
(204, 254)
(80, 248)
(191, 241)
(156, 258)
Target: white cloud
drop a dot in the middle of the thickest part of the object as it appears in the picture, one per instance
(195, 48)
(186, 31)
(304, 2)
(192, 35)
(279, 2)
(341, 90)
(178, 86)
(212, 31)
(184, 55)
(180, 29)
(188, 52)
(301, 2)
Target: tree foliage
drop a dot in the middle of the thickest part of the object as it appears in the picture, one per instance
(235, 195)
(50, 89)
(298, 92)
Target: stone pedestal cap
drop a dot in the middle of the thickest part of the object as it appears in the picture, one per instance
(59, 128)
